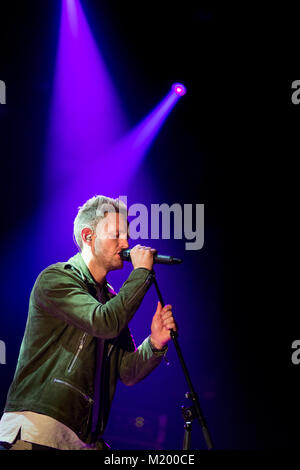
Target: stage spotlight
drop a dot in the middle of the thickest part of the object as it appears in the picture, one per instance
(179, 89)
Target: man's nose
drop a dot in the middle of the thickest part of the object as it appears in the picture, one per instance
(124, 243)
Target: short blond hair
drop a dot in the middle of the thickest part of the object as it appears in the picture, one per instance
(93, 211)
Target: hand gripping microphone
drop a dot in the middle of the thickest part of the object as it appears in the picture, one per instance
(158, 259)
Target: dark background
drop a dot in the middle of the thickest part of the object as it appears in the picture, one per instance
(231, 143)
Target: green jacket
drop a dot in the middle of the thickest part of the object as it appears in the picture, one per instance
(57, 360)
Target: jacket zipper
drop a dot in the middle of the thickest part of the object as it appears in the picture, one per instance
(147, 281)
(110, 349)
(80, 347)
(89, 399)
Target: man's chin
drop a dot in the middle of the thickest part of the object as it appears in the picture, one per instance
(117, 266)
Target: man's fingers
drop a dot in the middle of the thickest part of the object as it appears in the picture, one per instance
(142, 257)
(167, 308)
(166, 314)
(171, 326)
(168, 321)
(159, 309)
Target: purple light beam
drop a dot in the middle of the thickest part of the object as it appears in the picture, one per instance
(129, 152)
(86, 119)
(86, 116)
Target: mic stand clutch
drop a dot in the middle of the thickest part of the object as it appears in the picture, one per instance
(188, 414)
(194, 411)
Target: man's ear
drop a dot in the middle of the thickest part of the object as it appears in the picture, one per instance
(86, 234)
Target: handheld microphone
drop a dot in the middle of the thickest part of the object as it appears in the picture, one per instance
(158, 259)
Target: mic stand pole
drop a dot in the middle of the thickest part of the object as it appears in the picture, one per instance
(194, 411)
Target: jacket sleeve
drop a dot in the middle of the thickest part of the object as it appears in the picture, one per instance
(136, 363)
(58, 293)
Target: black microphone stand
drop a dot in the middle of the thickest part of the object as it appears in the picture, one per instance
(194, 411)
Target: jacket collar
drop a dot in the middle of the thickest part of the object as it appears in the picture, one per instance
(78, 262)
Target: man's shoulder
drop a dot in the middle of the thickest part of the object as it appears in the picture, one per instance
(57, 267)
(59, 270)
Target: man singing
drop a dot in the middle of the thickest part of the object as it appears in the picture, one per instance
(77, 342)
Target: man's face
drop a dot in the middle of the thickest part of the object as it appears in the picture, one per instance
(111, 238)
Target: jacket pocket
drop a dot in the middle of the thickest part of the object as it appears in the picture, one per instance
(88, 399)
